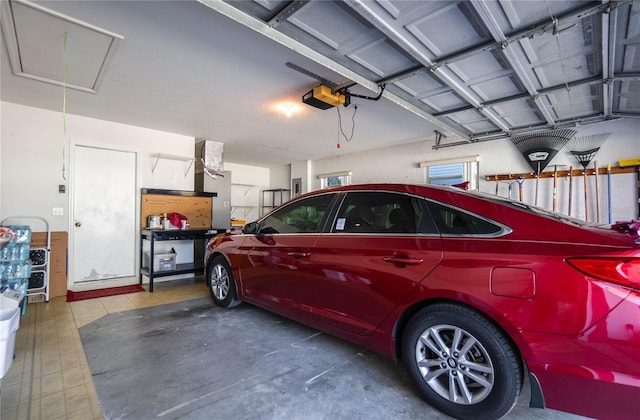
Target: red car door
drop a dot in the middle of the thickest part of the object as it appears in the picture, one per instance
(370, 262)
(274, 273)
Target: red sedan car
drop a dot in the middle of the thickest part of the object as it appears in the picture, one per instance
(470, 291)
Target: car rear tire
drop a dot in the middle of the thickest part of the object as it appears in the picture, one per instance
(461, 363)
(222, 286)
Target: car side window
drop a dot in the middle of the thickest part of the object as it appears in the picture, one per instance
(450, 220)
(378, 212)
(303, 216)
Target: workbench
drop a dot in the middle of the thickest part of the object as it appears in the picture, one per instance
(153, 235)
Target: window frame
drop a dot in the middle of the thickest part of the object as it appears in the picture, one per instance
(343, 176)
(470, 170)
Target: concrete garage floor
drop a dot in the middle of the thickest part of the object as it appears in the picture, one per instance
(193, 360)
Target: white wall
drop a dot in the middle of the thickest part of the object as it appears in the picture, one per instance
(303, 169)
(247, 184)
(35, 158)
(33, 145)
(400, 164)
(280, 177)
(1, 136)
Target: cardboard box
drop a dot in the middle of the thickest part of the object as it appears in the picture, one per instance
(57, 261)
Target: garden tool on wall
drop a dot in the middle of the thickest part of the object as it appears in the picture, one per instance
(570, 189)
(555, 187)
(584, 149)
(509, 190)
(609, 193)
(539, 148)
(520, 188)
(597, 175)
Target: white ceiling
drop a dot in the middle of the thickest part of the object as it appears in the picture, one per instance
(198, 69)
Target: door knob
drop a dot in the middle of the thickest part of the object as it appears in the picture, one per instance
(78, 224)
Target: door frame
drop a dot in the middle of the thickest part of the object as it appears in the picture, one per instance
(97, 284)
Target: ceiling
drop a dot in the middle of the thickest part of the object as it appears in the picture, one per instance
(453, 72)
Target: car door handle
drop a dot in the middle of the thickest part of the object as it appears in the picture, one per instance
(298, 254)
(403, 259)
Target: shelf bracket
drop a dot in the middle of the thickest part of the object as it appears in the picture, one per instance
(188, 167)
(159, 156)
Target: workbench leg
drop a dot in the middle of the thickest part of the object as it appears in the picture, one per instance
(151, 254)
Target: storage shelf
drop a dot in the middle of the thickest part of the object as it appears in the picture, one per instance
(154, 236)
(180, 269)
(159, 156)
(560, 173)
(277, 197)
(245, 201)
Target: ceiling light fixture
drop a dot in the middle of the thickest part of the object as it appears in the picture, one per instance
(288, 109)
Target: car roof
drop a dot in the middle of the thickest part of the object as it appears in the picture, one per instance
(486, 205)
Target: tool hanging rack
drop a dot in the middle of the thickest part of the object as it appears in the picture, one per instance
(560, 173)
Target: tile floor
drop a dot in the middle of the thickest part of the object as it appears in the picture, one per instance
(50, 378)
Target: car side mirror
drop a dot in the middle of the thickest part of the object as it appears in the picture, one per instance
(250, 228)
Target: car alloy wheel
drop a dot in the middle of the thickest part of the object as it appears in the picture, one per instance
(222, 286)
(454, 364)
(219, 282)
(461, 362)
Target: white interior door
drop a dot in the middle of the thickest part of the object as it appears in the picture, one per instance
(104, 215)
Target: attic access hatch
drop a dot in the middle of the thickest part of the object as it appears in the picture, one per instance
(50, 47)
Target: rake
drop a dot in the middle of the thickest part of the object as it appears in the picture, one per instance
(540, 148)
(584, 149)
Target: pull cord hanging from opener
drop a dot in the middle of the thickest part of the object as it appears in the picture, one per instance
(348, 97)
(353, 125)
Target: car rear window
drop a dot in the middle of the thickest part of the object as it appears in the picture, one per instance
(450, 220)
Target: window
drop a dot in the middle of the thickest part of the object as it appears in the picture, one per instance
(450, 220)
(304, 216)
(378, 212)
(452, 171)
(336, 179)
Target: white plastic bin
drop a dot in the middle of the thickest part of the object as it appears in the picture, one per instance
(161, 262)
(9, 324)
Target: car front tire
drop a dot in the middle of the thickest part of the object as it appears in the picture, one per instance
(222, 286)
(461, 363)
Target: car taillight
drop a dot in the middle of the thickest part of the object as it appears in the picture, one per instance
(624, 271)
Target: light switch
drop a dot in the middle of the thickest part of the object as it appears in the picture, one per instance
(58, 211)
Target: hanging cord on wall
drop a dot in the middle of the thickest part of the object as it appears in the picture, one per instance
(64, 107)
(353, 125)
